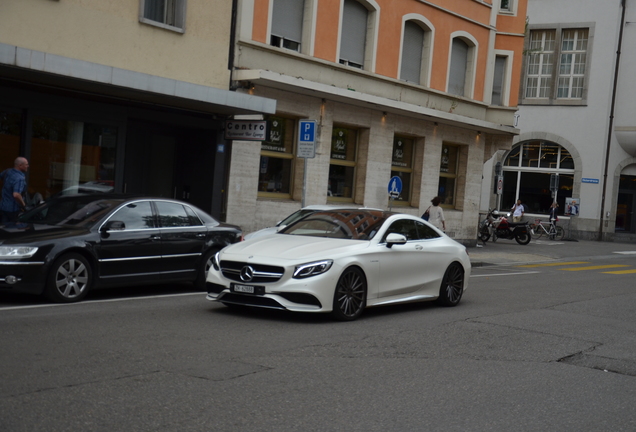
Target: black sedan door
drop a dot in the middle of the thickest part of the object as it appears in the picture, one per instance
(183, 238)
(131, 253)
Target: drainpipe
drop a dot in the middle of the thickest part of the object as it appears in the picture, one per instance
(230, 61)
(611, 119)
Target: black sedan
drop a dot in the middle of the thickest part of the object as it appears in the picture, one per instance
(71, 244)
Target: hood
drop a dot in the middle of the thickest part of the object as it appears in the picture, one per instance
(292, 247)
(13, 233)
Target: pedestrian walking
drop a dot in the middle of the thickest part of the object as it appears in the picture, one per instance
(553, 213)
(13, 190)
(436, 214)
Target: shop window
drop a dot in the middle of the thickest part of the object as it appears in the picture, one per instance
(277, 157)
(402, 166)
(287, 24)
(527, 171)
(10, 125)
(70, 154)
(342, 164)
(449, 165)
(169, 14)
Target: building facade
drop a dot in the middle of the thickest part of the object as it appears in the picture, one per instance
(130, 95)
(421, 90)
(576, 117)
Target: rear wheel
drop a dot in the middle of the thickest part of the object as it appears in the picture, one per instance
(350, 296)
(523, 238)
(70, 279)
(560, 233)
(450, 293)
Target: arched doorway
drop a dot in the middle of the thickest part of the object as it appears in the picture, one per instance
(527, 170)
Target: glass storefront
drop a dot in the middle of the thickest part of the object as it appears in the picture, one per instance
(10, 126)
(69, 154)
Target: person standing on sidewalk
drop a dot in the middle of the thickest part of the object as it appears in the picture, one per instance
(517, 211)
(13, 190)
(436, 214)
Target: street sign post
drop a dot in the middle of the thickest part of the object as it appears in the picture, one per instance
(395, 189)
(307, 130)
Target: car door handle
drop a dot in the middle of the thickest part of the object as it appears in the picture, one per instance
(155, 237)
(419, 247)
(200, 235)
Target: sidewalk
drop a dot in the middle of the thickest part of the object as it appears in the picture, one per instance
(508, 252)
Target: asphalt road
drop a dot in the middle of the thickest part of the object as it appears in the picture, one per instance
(541, 348)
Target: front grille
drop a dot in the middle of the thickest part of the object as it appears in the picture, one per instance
(262, 273)
(250, 300)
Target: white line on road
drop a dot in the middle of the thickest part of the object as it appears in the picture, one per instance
(100, 301)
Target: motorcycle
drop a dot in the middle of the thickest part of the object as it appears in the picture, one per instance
(498, 227)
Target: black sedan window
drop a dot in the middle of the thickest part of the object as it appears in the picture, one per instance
(137, 215)
(80, 211)
(173, 215)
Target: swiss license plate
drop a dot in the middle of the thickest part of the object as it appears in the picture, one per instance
(247, 289)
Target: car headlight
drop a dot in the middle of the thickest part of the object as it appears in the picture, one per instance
(312, 269)
(216, 261)
(17, 251)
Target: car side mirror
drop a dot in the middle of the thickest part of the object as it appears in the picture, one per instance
(395, 239)
(113, 226)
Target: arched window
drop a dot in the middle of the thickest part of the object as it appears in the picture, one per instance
(412, 49)
(287, 24)
(354, 34)
(458, 67)
(527, 170)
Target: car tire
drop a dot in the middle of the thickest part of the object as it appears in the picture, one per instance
(523, 238)
(204, 267)
(350, 295)
(452, 289)
(70, 279)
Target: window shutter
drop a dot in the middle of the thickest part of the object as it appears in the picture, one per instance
(287, 21)
(412, 52)
(354, 32)
(459, 60)
(497, 85)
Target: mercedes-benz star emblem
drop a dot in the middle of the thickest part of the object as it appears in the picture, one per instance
(247, 273)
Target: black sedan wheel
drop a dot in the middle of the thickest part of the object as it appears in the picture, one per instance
(450, 293)
(350, 296)
(70, 279)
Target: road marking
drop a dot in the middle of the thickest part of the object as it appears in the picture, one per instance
(555, 264)
(627, 252)
(504, 274)
(621, 272)
(88, 302)
(601, 267)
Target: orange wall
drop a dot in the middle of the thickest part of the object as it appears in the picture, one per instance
(390, 30)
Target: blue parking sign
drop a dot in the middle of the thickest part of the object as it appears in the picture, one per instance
(306, 139)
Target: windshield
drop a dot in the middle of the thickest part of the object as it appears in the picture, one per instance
(343, 224)
(77, 210)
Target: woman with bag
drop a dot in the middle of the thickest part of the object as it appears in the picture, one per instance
(435, 215)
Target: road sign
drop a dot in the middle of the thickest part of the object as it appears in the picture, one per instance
(395, 187)
(307, 139)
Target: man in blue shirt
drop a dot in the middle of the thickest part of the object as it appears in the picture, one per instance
(14, 187)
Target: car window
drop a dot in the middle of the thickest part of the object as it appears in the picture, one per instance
(137, 215)
(78, 210)
(353, 225)
(406, 227)
(296, 216)
(426, 232)
(194, 218)
(172, 215)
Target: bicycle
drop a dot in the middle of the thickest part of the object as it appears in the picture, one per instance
(554, 232)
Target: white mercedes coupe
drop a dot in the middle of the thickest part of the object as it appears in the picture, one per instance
(340, 262)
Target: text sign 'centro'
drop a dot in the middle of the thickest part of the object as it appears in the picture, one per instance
(248, 130)
(307, 139)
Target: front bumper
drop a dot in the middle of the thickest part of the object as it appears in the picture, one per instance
(29, 277)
